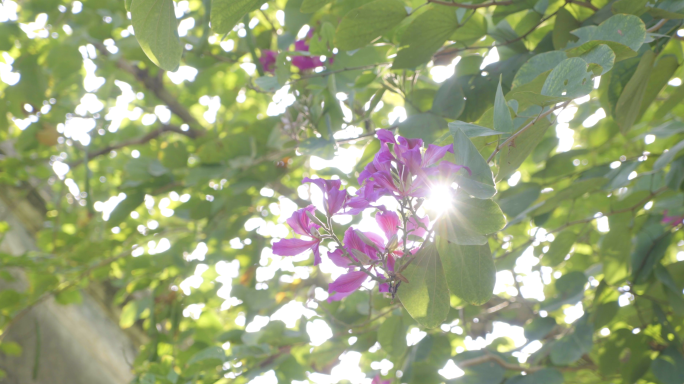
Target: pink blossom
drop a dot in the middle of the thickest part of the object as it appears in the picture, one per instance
(305, 62)
(268, 60)
(301, 224)
(333, 198)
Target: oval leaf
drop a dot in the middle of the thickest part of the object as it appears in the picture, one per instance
(156, 29)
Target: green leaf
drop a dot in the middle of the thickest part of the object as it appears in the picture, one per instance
(311, 6)
(571, 78)
(426, 126)
(133, 311)
(602, 56)
(651, 244)
(629, 104)
(537, 65)
(156, 29)
(472, 130)
(124, 208)
(9, 298)
(488, 372)
(368, 22)
(544, 376)
(424, 36)
(573, 346)
(574, 191)
(565, 22)
(515, 200)
(675, 176)
(318, 146)
(664, 68)
(668, 156)
(514, 154)
(174, 155)
(480, 184)
(10, 348)
(539, 328)
(449, 101)
(630, 7)
(624, 34)
(392, 335)
(502, 115)
(469, 219)
(559, 248)
(268, 83)
(605, 313)
(571, 283)
(470, 270)
(668, 368)
(226, 13)
(425, 296)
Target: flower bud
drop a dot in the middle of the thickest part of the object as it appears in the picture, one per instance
(361, 257)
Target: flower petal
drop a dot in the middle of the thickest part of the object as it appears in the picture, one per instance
(388, 223)
(348, 282)
(385, 136)
(433, 154)
(300, 222)
(293, 247)
(338, 258)
(414, 226)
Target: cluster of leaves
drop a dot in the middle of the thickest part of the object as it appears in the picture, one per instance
(73, 137)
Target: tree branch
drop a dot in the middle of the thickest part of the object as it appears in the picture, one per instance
(448, 54)
(155, 85)
(193, 134)
(515, 367)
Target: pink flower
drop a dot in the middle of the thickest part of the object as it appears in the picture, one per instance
(268, 60)
(353, 242)
(301, 224)
(672, 220)
(334, 198)
(305, 62)
(378, 380)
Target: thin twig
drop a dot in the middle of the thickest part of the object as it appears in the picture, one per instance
(390, 128)
(164, 128)
(657, 26)
(523, 129)
(514, 367)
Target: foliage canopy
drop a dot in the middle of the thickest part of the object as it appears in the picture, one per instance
(168, 143)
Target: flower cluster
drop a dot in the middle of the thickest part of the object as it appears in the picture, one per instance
(268, 57)
(403, 170)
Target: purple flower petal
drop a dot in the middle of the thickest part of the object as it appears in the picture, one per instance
(388, 223)
(433, 154)
(347, 283)
(415, 229)
(410, 143)
(384, 179)
(293, 247)
(385, 136)
(300, 222)
(338, 258)
(268, 60)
